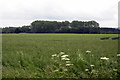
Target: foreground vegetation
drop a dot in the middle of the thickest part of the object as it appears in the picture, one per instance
(59, 56)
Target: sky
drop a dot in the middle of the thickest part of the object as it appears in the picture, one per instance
(15, 13)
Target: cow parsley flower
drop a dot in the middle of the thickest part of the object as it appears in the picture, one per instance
(69, 64)
(86, 69)
(54, 55)
(118, 54)
(67, 59)
(88, 51)
(114, 69)
(104, 58)
(64, 56)
(92, 65)
(61, 53)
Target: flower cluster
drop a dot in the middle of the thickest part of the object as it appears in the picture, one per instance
(118, 54)
(92, 65)
(54, 55)
(86, 70)
(63, 57)
(88, 51)
(104, 58)
(62, 62)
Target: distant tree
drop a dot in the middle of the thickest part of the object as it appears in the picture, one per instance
(88, 27)
(74, 24)
(65, 23)
(44, 26)
(109, 31)
(85, 27)
(93, 27)
(17, 30)
(8, 30)
(64, 29)
(25, 29)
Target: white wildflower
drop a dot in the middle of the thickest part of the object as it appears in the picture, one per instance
(92, 65)
(118, 54)
(114, 69)
(69, 64)
(55, 70)
(86, 69)
(67, 59)
(104, 58)
(88, 51)
(54, 55)
(64, 56)
(61, 53)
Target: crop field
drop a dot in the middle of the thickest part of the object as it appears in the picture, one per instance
(59, 55)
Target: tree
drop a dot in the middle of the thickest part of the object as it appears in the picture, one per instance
(8, 30)
(45, 26)
(54, 26)
(17, 30)
(25, 29)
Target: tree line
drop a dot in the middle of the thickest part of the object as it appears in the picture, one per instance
(39, 26)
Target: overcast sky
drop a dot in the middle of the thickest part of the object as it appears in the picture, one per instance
(22, 12)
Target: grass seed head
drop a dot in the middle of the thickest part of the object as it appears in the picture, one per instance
(56, 70)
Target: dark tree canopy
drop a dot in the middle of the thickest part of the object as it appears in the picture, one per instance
(39, 26)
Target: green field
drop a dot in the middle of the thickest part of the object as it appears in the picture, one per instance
(39, 56)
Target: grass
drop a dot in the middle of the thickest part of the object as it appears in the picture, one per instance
(30, 56)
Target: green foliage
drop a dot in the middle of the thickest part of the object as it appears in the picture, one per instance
(25, 29)
(30, 56)
(44, 26)
(55, 27)
(84, 27)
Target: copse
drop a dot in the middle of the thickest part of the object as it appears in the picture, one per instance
(65, 27)
(85, 27)
(40, 26)
(11, 30)
(23, 29)
(44, 26)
